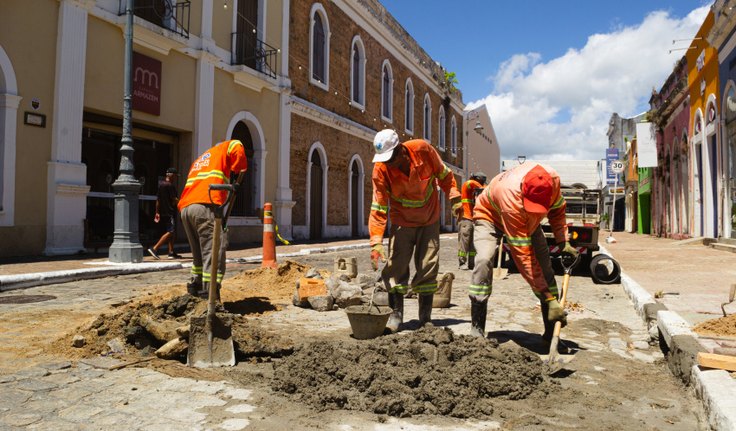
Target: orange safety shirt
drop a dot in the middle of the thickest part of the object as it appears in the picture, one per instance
(214, 166)
(501, 204)
(470, 190)
(414, 200)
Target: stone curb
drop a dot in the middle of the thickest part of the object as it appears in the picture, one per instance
(715, 388)
(20, 281)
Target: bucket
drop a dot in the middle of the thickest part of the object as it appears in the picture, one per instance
(367, 321)
(443, 295)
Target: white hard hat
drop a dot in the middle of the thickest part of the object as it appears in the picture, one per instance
(384, 144)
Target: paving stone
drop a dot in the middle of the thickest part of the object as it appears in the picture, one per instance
(62, 378)
(54, 424)
(234, 424)
(102, 362)
(642, 356)
(35, 385)
(79, 412)
(238, 394)
(617, 343)
(6, 378)
(33, 372)
(20, 419)
(641, 345)
(55, 366)
(13, 398)
(241, 408)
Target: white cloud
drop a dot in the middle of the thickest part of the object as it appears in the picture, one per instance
(559, 109)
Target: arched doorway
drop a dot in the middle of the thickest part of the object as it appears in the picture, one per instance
(316, 172)
(245, 201)
(355, 199)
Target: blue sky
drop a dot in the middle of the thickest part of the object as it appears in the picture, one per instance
(551, 73)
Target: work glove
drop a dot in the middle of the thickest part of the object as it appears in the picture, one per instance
(555, 312)
(457, 207)
(376, 255)
(568, 250)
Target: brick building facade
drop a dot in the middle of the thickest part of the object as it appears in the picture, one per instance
(375, 76)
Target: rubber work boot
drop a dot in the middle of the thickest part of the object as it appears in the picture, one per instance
(471, 262)
(478, 311)
(194, 286)
(425, 308)
(460, 262)
(396, 302)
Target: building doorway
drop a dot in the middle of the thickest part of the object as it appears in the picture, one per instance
(354, 199)
(698, 190)
(315, 196)
(713, 168)
(245, 201)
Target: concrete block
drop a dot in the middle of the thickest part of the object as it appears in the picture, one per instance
(671, 324)
(637, 294)
(717, 390)
(651, 310)
(682, 355)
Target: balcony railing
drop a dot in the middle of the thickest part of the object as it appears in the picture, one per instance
(169, 14)
(254, 53)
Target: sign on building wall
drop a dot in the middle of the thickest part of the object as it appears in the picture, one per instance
(146, 84)
(646, 144)
(611, 156)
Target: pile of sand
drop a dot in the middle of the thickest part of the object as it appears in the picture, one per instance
(724, 326)
(428, 371)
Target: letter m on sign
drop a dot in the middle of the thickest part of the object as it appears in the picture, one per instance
(146, 84)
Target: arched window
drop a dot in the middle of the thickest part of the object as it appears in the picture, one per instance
(427, 118)
(387, 94)
(409, 107)
(357, 73)
(441, 127)
(453, 136)
(319, 46)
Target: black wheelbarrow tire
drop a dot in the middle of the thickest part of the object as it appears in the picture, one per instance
(601, 274)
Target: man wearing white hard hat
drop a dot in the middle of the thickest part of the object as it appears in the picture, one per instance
(405, 181)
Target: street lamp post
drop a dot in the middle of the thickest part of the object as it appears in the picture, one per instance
(126, 247)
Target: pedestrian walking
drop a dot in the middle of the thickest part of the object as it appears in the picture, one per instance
(514, 204)
(197, 205)
(469, 191)
(167, 198)
(405, 179)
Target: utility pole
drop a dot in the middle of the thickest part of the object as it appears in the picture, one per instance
(126, 247)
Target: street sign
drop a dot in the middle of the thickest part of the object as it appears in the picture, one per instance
(611, 156)
(617, 166)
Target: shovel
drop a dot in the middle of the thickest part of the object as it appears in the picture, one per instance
(211, 336)
(498, 272)
(730, 299)
(553, 362)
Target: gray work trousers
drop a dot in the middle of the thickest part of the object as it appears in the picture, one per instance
(424, 243)
(487, 240)
(199, 224)
(465, 248)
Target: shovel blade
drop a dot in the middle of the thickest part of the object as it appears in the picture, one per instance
(211, 342)
(500, 273)
(553, 362)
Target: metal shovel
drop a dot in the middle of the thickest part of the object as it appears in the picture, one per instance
(498, 272)
(553, 362)
(730, 299)
(211, 336)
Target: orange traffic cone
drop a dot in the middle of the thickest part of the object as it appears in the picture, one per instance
(269, 239)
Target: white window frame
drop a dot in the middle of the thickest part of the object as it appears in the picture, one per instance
(453, 136)
(386, 66)
(9, 104)
(441, 130)
(409, 113)
(427, 112)
(357, 44)
(317, 8)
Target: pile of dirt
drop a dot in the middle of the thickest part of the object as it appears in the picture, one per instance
(126, 329)
(724, 326)
(428, 371)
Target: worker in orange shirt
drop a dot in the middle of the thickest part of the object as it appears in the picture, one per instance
(214, 166)
(514, 204)
(405, 180)
(469, 191)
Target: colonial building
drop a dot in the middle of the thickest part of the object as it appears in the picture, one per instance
(203, 72)
(482, 149)
(304, 84)
(354, 71)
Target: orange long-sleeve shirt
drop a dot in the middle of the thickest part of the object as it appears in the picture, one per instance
(214, 166)
(414, 200)
(468, 193)
(501, 204)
